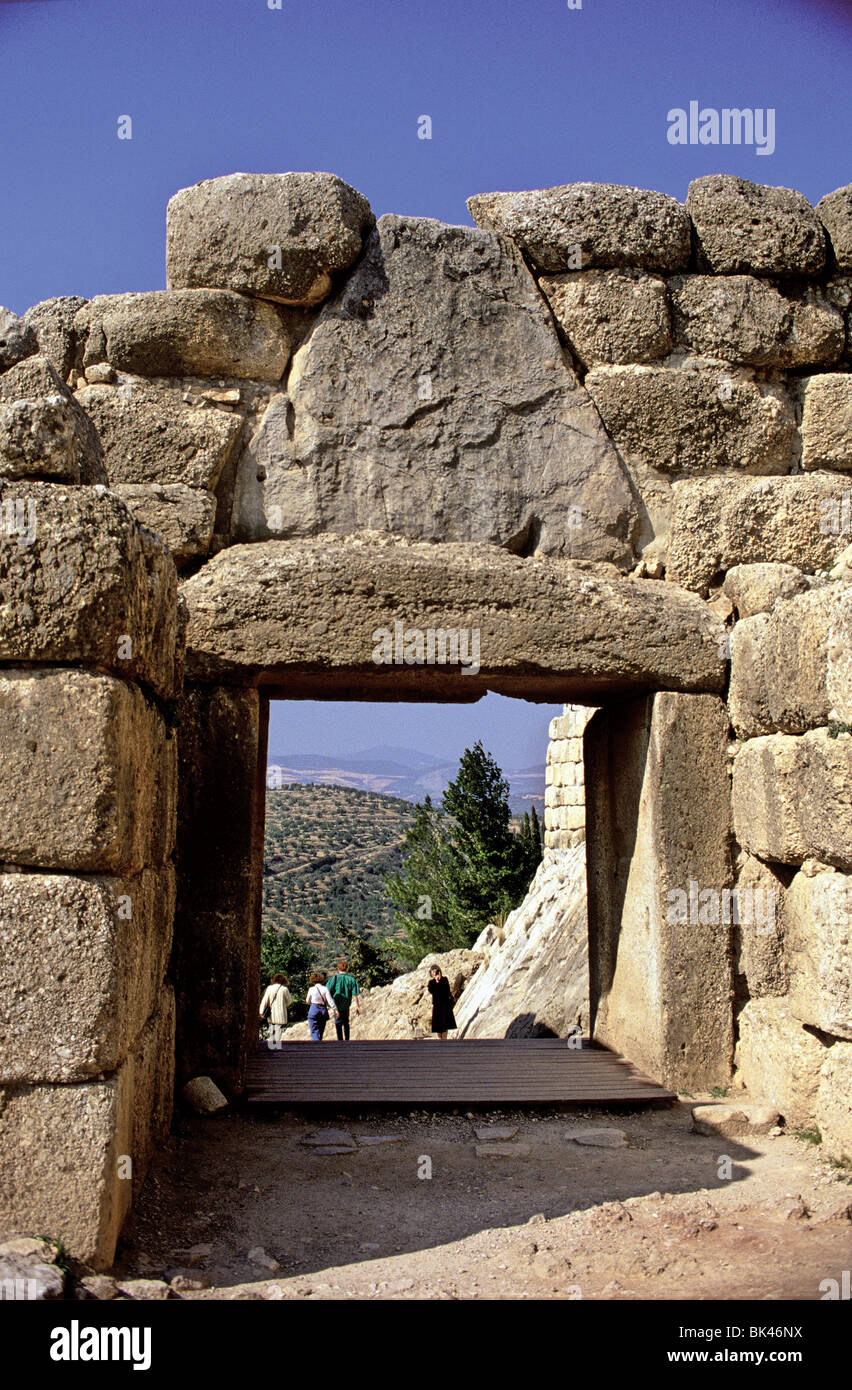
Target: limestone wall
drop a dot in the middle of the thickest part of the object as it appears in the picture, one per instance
(579, 431)
(564, 795)
(791, 709)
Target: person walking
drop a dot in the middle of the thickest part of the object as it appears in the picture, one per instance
(343, 988)
(277, 1000)
(320, 1006)
(443, 1017)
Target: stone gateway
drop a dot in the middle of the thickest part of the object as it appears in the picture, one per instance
(594, 449)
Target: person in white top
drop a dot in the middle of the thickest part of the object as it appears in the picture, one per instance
(320, 1007)
(277, 999)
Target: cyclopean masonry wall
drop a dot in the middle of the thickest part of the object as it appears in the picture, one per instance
(575, 444)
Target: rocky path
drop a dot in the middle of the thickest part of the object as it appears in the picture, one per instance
(244, 1207)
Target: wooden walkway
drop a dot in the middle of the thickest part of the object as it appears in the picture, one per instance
(474, 1071)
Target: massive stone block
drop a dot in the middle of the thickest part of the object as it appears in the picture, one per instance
(611, 315)
(726, 520)
(778, 1060)
(81, 582)
(657, 843)
(742, 319)
(64, 1149)
(151, 435)
(759, 932)
(790, 668)
(818, 932)
(280, 236)
(755, 589)
(695, 418)
(185, 333)
(834, 1102)
(431, 400)
(792, 798)
(745, 228)
(38, 440)
(182, 516)
(835, 213)
(585, 225)
(311, 616)
(82, 962)
(52, 321)
(36, 380)
(87, 775)
(827, 422)
(219, 860)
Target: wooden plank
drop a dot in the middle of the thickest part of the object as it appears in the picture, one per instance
(471, 1071)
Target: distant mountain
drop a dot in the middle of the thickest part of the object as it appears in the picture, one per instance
(394, 771)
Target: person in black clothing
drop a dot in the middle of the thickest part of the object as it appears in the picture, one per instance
(443, 1017)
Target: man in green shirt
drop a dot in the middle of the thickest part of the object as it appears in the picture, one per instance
(343, 988)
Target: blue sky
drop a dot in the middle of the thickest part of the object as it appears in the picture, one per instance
(522, 94)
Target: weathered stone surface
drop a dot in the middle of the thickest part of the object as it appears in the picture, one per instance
(834, 1102)
(756, 589)
(81, 582)
(216, 956)
(790, 668)
(695, 417)
(182, 516)
(432, 401)
(38, 440)
(657, 823)
(185, 333)
(81, 965)
(778, 1060)
(759, 929)
(611, 315)
(734, 1121)
(515, 1148)
(792, 797)
(745, 228)
(280, 236)
(204, 1096)
(36, 380)
(61, 1147)
(729, 520)
(88, 773)
(584, 225)
(286, 608)
(742, 319)
(29, 1274)
(534, 981)
(835, 213)
(150, 435)
(52, 321)
(17, 339)
(827, 422)
(818, 930)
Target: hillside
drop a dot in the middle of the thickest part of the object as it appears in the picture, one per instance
(325, 850)
(399, 772)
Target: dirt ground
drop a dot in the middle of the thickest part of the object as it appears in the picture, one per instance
(652, 1220)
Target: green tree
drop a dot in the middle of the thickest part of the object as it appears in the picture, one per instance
(463, 865)
(369, 963)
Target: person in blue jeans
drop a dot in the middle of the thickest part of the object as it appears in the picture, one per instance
(320, 1006)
